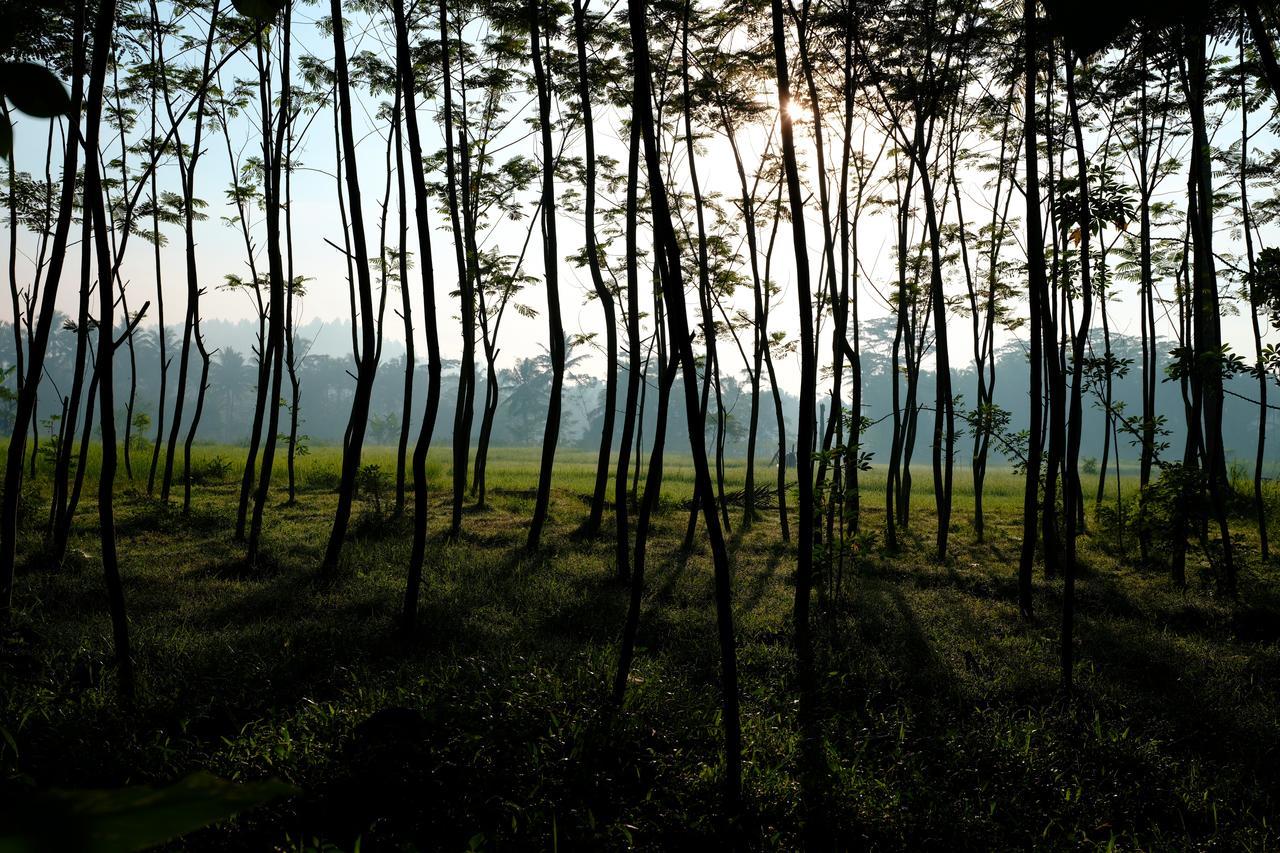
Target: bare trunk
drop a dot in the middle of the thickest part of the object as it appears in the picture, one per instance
(667, 257)
(1037, 292)
(193, 279)
(273, 152)
(417, 555)
(629, 418)
(406, 315)
(810, 746)
(368, 365)
(24, 414)
(652, 486)
(464, 411)
(603, 293)
(551, 262)
(106, 303)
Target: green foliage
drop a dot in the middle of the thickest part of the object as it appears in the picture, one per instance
(1162, 511)
(1186, 363)
(49, 449)
(141, 424)
(1264, 284)
(991, 421)
(371, 486)
(209, 470)
(121, 820)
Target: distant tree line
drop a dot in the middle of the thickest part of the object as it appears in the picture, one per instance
(523, 396)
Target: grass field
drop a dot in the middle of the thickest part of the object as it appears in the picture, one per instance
(944, 724)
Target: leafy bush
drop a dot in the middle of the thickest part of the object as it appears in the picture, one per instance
(371, 486)
(206, 471)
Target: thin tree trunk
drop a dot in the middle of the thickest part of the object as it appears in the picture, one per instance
(944, 418)
(899, 474)
(806, 681)
(417, 554)
(201, 392)
(406, 315)
(775, 390)
(551, 262)
(621, 505)
(292, 287)
(1072, 490)
(102, 38)
(193, 280)
(25, 410)
(704, 274)
(1205, 313)
(131, 400)
(368, 366)
(758, 331)
(1108, 411)
(464, 411)
(488, 414)
(1246, 224)
(1037, 293)
(163, 338)
(1052, 316)
(667, 257)
(63, 507)
(1146, 307)
(652, 486)
(603, 293)
(273, 152)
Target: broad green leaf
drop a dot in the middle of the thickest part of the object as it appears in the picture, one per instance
(34, 89)
(122, 820)
(260, 10)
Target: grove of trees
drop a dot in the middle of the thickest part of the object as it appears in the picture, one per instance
(1030, 234)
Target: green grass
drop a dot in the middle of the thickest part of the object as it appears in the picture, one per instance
(944, 724)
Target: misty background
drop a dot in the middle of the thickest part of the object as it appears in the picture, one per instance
(327, 387)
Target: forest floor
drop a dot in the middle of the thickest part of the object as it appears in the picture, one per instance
(945, 725)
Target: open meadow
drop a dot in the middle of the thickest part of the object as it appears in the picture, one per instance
(943, 723)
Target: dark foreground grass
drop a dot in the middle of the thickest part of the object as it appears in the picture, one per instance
(944, 724)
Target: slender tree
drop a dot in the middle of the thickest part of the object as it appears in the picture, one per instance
(1037, 293)
(93, 194)
(667, 257)
(187, 168)
(368, 365)
(273, 142)
(805, 509)
(408, 81)
(551, 261)
(635, 376)
(25, 410)
(465, 408)
(602, 291)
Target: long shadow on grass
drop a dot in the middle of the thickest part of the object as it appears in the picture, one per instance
(1165, 663)
(762, 579)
